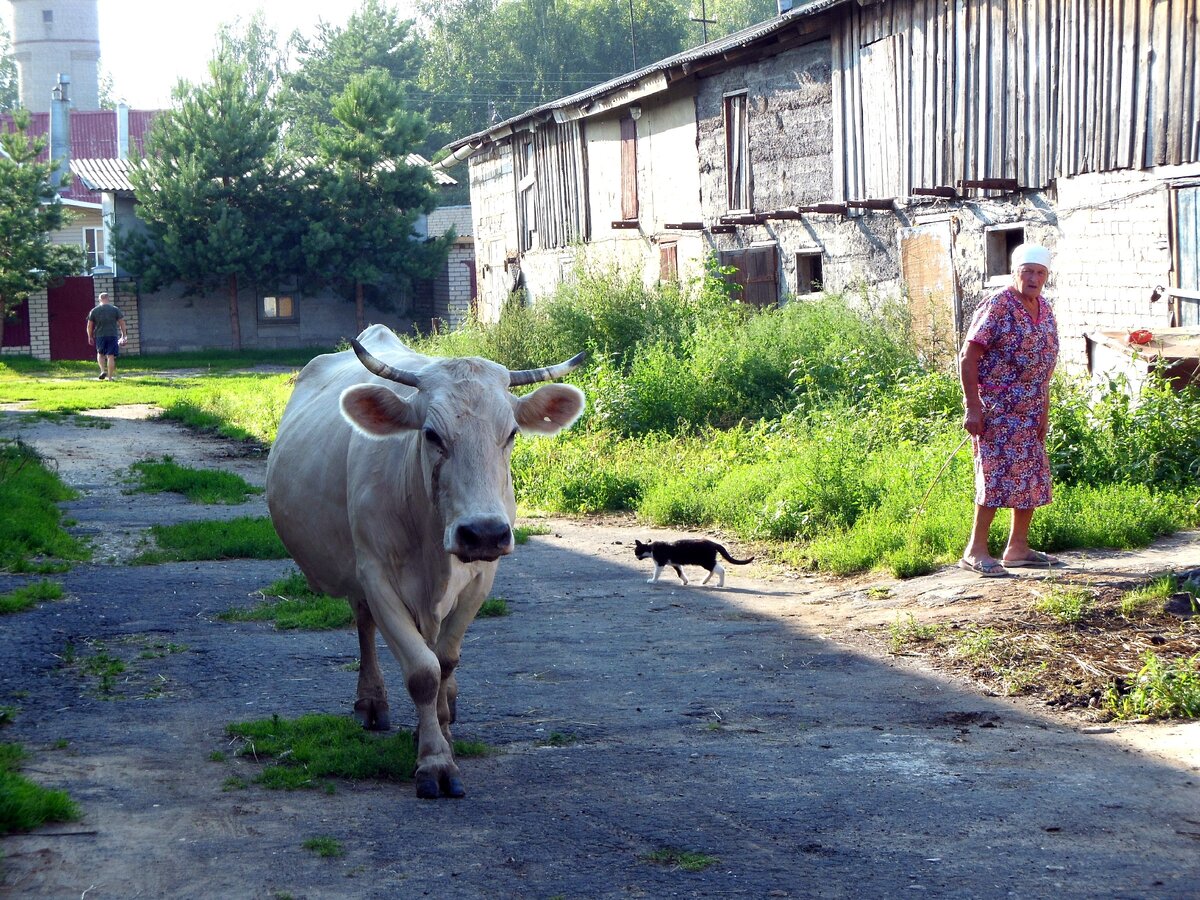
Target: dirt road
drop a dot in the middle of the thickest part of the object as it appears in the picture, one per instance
(746, 724)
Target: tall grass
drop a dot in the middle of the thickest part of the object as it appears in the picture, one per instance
(814, 427)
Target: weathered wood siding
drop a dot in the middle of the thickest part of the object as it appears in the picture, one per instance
(930, 92)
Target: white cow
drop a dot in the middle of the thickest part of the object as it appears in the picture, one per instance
(394, 490)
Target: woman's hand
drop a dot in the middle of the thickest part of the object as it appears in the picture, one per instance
(973, 421)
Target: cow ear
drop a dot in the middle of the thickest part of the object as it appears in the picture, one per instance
(377, 411)
(549, 409)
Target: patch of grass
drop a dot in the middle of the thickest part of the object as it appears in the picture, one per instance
(32, 538)
(905, 633)
(1161, 689)
(292, 604)
(522, 533)
(315, 747)
(197, 485)
(688, 860)
(8, 715)
(25, 805)
(325, 847)
(247, 537)
(30, 595)
(1068, 605)
(558, 739)
(1149, 599)
(493, 607)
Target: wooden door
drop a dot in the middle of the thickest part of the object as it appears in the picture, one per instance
(68, 306)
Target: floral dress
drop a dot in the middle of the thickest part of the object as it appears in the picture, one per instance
(1020, 350)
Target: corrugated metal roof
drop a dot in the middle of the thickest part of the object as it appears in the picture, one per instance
(711, 50)
(103, 174)
(93, 136)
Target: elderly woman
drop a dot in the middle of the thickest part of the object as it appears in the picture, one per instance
(1006, 363)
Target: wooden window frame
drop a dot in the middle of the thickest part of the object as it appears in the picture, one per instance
(95, 257)
(739, 185)
(629, 187)
(269, 305)
(809, 279)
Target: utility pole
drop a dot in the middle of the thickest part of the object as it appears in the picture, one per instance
(704, 20)
(632, 35)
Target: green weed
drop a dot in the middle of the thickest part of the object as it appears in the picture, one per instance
(25, 597)
(1068, 605)
(25, 805)
(687, 860)
(1149, 599)
(325, 847)
(292, 604)
(1160, 690)
(312, 748)
(493, 607)
(197, 485)
(247, 537)
(905, 633)
(522, 533)
(558, 739)
(32, 538)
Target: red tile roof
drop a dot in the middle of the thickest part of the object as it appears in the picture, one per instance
(93, 136)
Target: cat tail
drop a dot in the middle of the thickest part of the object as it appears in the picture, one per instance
(725, 553)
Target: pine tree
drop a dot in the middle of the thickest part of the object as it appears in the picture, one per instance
(29, 211)
(211, 191)
(368, 197)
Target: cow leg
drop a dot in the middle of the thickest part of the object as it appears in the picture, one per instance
(370, 704)
(436, 772)
(449, 646)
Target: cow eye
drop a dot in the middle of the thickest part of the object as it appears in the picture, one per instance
(434, 438)
(512, 437)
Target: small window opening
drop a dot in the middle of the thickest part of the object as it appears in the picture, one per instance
(1001, 242)
(47, 17)
(810, 278)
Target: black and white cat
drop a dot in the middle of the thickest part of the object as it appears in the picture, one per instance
(692, 552)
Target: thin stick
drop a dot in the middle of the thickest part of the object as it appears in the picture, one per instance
(938, 476)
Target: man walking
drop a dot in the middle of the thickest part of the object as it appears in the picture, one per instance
(106, 332)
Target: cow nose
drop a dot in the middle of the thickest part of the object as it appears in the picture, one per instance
(486, 539)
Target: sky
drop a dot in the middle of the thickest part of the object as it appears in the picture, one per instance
(147, 45)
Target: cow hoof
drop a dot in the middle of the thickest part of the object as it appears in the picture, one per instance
(452, 786)
(372, 717)
(427, 787)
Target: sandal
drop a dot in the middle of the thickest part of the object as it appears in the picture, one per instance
(990, 569)
(1035, 559)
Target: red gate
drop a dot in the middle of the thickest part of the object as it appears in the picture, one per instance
(68, 306)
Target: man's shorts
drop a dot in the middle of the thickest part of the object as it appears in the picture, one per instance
(108, 345)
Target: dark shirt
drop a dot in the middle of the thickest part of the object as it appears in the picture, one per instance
(105, 316)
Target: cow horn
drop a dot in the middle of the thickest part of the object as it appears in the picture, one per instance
(549, 373)
(382, 369)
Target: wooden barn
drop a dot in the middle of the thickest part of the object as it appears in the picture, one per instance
(893, 147)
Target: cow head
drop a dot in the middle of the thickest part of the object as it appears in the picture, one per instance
(467, 421)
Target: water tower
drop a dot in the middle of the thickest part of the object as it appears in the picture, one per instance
(53, 37)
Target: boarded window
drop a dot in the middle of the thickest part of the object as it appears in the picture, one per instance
(756, 273)
(549, 170)
(737, 152)
(629, 192)
(278, 308)
(881, 117)
(526, 175)
(668, 261)
(1187, 249)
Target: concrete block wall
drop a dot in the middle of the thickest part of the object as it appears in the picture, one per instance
(1113, 249)
(459, 268)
